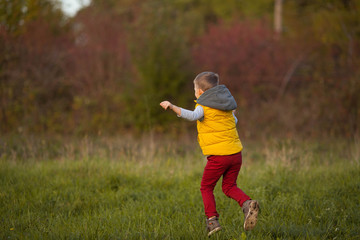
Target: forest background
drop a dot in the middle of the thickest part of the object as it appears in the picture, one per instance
(86, 152)
(105, 70)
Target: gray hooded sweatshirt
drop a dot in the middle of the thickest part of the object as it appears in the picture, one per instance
(218, 97)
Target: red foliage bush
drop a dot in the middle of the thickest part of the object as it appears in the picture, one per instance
(100, 54)
(246, 55)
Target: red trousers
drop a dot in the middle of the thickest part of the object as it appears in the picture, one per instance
(227, 166)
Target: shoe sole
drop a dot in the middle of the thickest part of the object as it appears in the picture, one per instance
(251, 218)
(214, 231)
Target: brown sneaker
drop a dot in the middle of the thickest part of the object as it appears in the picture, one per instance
(250, 209)
(213, 225)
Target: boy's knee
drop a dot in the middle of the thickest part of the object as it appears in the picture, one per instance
(204, 188)
(227, 189)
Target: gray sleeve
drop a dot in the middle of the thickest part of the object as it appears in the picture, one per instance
(192, 115)
(236, 120)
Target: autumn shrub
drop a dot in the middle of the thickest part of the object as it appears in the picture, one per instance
(105, 70)
(161, 58)
(283, 87)
(35, 95)
(246, 55)
(100, 68)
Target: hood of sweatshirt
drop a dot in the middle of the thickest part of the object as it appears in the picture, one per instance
(218, 97)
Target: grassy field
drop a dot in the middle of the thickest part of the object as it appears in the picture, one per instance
(120, 189)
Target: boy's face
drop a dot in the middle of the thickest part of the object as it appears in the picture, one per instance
(198, 91)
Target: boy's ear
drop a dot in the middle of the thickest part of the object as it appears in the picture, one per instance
(201, 91)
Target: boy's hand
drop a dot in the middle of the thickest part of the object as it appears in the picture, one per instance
(166, 104)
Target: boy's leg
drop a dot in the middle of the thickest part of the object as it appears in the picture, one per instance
(212, 172)
(230, 176)
(250, 207)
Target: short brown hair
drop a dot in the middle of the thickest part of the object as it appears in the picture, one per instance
(206, 80)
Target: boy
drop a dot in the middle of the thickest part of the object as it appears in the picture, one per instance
(219, 140)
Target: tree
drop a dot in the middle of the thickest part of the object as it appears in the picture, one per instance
(278, 17)
(161, 57)
(16, 14)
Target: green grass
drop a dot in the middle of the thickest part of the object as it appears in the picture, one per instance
(114, 189)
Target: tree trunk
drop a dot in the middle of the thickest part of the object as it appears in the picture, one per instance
(278, 17)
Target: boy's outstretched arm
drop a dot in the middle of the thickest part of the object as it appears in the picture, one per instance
(167, 104)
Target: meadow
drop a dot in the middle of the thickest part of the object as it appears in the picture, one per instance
(120, 188)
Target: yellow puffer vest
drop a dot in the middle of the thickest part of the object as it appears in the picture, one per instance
(217, 133)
